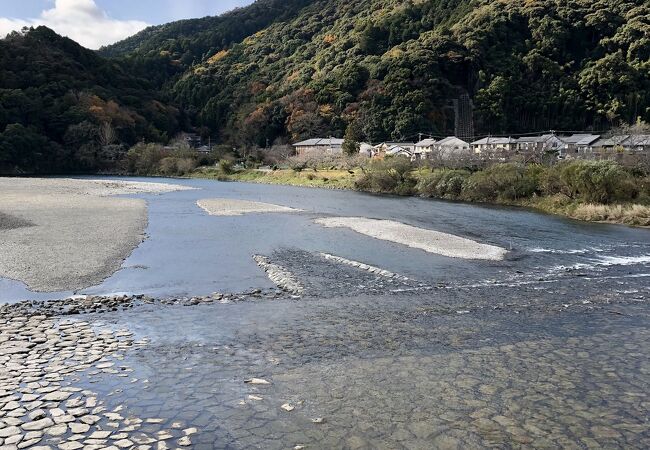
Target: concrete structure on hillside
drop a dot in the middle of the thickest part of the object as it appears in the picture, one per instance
(319, 146)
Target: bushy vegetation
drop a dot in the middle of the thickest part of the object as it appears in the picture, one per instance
(597, 181)
(601, 182)
(154, 159)
(442, 183)
(502, 182)
(326, 161)
(638, 215)
(388, 176)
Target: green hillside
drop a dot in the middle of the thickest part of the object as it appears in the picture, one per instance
(281, 70)
(189, 41)
(64, 108)
(391, 69)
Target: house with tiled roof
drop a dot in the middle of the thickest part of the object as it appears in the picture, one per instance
(318, 146)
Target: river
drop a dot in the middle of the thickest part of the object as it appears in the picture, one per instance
(188, 252)
(547, 348)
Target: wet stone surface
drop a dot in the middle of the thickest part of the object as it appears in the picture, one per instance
(42, 404)
(359, 359)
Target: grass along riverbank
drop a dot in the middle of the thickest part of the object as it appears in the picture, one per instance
(595, 191)
(321, 178)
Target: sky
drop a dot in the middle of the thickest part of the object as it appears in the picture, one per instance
(94, 23)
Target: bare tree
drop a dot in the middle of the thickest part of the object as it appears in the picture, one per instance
(107, 135)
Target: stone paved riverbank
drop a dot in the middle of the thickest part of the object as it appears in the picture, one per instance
(375, 361)
(41, 405)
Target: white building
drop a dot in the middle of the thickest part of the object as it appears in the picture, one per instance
(577, 143)
(451, 146)
(494, 144)
(366, 149)
(539, 144)
(423, 148)
(394, 148)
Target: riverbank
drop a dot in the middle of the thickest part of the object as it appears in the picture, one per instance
(67, 234)
(320, 178)
(631, 214)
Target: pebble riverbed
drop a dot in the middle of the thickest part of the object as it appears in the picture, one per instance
(340, 355)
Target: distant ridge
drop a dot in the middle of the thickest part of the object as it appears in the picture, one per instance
(191, 39)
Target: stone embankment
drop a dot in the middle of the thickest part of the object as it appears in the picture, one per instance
(40, 406)
(100, 304)
(363, 266)
(282, 278)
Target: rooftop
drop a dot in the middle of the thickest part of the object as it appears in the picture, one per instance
(580, 139)
(451, 140)
(319, 141)
(494, 140)
(425, 143)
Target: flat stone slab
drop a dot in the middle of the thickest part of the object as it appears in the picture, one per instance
(38, 425)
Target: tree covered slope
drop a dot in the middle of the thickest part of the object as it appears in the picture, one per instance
(290, 69)
(64, 108)
(188, 41)
(391, 69)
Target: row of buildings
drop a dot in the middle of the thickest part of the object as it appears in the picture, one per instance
(564, 146)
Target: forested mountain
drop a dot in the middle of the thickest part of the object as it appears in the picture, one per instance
(64, 108)
(189, 41)
(391, 69)
(289, 69)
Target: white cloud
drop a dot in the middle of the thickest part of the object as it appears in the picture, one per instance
(81, 20)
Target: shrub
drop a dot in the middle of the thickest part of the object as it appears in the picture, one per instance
(185, 165)
(167, 166)
(631, 215)
(550, 182)
(597, 181)
(502, 182)
(442, 183)
(143, 159)
(226, 166)
(391, 176)
(175, 166)
(326, 161)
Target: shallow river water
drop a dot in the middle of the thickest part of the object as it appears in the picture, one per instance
(549, 348)
(188, 252)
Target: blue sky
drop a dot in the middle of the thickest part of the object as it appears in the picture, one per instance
(99, 22)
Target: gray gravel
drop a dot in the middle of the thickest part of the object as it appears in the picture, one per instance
(233, 207)
(9, 222)
(428, 240)
(79, 237)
